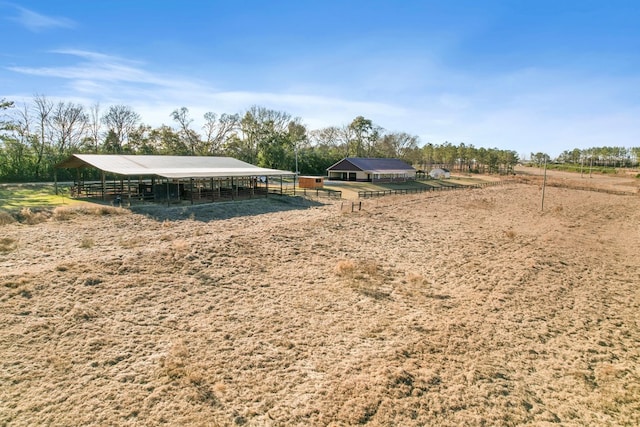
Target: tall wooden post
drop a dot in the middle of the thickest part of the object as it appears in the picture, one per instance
(544, 183)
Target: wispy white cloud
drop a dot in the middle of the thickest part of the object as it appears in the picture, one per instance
(38, 22)
(527, 110)
(111, 79)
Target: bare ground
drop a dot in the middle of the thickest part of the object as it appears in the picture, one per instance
(461, 308)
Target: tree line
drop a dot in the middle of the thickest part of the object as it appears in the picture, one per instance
(36, 135)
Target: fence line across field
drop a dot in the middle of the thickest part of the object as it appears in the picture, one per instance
(380, 193)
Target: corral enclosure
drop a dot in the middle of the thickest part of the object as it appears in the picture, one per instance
(458, 308)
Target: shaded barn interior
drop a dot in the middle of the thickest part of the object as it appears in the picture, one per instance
(170, 179)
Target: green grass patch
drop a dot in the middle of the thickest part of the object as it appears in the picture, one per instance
(18, 196)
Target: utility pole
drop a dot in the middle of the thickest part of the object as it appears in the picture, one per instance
(544, 182)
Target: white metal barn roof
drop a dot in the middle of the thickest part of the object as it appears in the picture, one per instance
(169, 166)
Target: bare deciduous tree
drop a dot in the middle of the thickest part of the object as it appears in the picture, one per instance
(217, 129)
(69, 126)
(42, 142)
(121, 120)
(191, 138)
(94, 125)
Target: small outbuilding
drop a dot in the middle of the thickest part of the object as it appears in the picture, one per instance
(440, 173)
(371, 169)
(311, 182)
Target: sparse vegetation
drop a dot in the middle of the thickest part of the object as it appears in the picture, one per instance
(467, 308)
(6, 218)
(7, 244)
(87, 242)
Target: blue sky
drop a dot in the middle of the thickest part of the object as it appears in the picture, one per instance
(521, 75)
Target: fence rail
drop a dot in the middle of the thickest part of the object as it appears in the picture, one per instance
(317, 192)
(381, 193)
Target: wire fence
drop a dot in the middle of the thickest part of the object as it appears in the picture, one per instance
(381, 193)
(317, 192)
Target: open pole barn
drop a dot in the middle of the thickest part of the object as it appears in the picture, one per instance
(170, 179)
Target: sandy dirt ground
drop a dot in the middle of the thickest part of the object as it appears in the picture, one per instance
(470, 307)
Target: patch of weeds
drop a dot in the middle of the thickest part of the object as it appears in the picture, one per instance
(8, 244)
(130, 243)
(416, 279)
(27, 216)
(6, 218)
(174, 364)
(87, 242)
(364, 276)
(510, 234)
(180, 245)
(345, 268)
(62, 213)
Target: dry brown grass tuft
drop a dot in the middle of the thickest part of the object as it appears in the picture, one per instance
(61, 213)
(346, 268)
(65, 213)
(416, 279)
(180, 246)
(370, 267)
(510, 234)
(27, 216)
(87, 242)
(174, 365)
(365, 277)
(8, 244)
(6, 218)
(132, 242)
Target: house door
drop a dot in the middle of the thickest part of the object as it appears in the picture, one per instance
(352, 176)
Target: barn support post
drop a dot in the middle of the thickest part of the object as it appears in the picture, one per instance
(104, 181)
(211, 179)
(191, 181)
(232, 192)
(78, 187)
(55, 180)
(266, 181)
(294, 184)
(129, 190)
(281, 185)
(168, 194)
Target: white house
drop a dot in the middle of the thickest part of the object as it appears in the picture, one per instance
(440, 173)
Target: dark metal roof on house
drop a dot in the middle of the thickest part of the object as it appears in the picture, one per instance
(168, 166)
(376, 165)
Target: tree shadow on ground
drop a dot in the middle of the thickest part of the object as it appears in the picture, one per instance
(225, 210)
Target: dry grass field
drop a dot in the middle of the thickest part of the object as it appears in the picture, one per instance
(470, 307)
